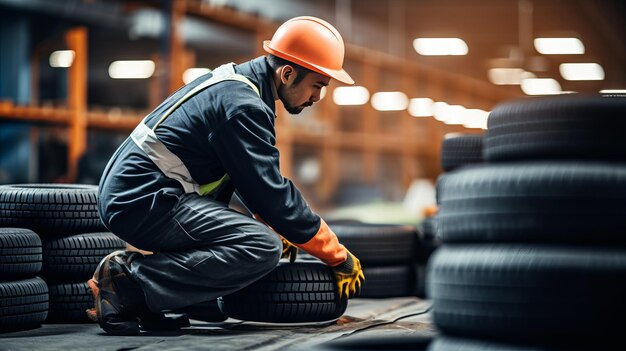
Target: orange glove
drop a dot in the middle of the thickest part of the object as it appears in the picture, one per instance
(346, 267)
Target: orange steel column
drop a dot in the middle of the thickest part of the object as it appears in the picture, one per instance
(77, 99)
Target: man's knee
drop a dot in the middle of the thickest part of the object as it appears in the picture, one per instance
(270, 248)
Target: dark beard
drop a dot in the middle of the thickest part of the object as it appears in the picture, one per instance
(294, 110)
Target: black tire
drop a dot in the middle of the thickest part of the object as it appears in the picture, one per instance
(392, 281)
(531, 294)
(206, 311)
(75, 258)
(68, 303)
(378, 244)
(50, 209)
(23, 304)
(292, 293)
(461, 149)
(556, 202)
(448, 343)
(564, 127)
(20, 253)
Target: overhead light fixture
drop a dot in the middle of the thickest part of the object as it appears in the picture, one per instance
(540, 86)
(421, 107)
(191, 74)
(454, 114)
(440, 46)
(613, 91)
(559, 46)
(355, 95)
(508, 76)
(390, 101)
(581, 71)
(62, 58)
(136, 69)
(476, 118)
(439, 110)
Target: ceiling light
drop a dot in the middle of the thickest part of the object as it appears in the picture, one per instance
(613, 91)
(559, 46)
(191, 74)
(440, 46)
(439, 109)
(476, 118)
(323, 92)
(137, 69)
(540, 86)
(355, 95)
(62, 58)
(508, 76)
(390, 101)
(421, 107)
(454, 114)
(581, 71)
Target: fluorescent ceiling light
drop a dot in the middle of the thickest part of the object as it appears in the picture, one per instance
(559, 46)
(476, 118)
(137, 69)
(439, 110)
(508, 76)
(581, 71)
(613, 91)
(355, 95)
(390, 101)
(62, 58)
(421, 107)
(191, 74)
(440, 46)
(454, 114)
(540, 86)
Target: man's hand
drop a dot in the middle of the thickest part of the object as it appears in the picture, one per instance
(349, 277)
(290, 251)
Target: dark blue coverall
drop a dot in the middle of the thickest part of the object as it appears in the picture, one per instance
(202, 248)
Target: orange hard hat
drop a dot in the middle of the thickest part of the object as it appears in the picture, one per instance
(312, 43)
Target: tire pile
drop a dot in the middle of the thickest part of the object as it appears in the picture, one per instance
(534, 253)
(49, 231)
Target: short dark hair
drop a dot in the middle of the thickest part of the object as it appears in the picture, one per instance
(275, 62)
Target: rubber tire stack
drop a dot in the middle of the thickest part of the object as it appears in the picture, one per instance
(73, 238)
(388, 255)
(23, 295)
(534, 253)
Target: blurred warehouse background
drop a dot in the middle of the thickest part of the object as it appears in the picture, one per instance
(76, 76)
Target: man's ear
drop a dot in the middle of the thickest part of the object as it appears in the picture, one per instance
(287, 73)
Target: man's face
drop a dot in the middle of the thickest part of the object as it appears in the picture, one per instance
(295, 96)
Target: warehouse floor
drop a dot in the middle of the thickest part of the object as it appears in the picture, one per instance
(364, 318)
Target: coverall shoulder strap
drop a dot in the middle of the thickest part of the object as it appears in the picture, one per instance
(170, 164)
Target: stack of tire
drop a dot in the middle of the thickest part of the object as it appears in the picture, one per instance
(534, 251)
(23, 295)
(73, 240)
